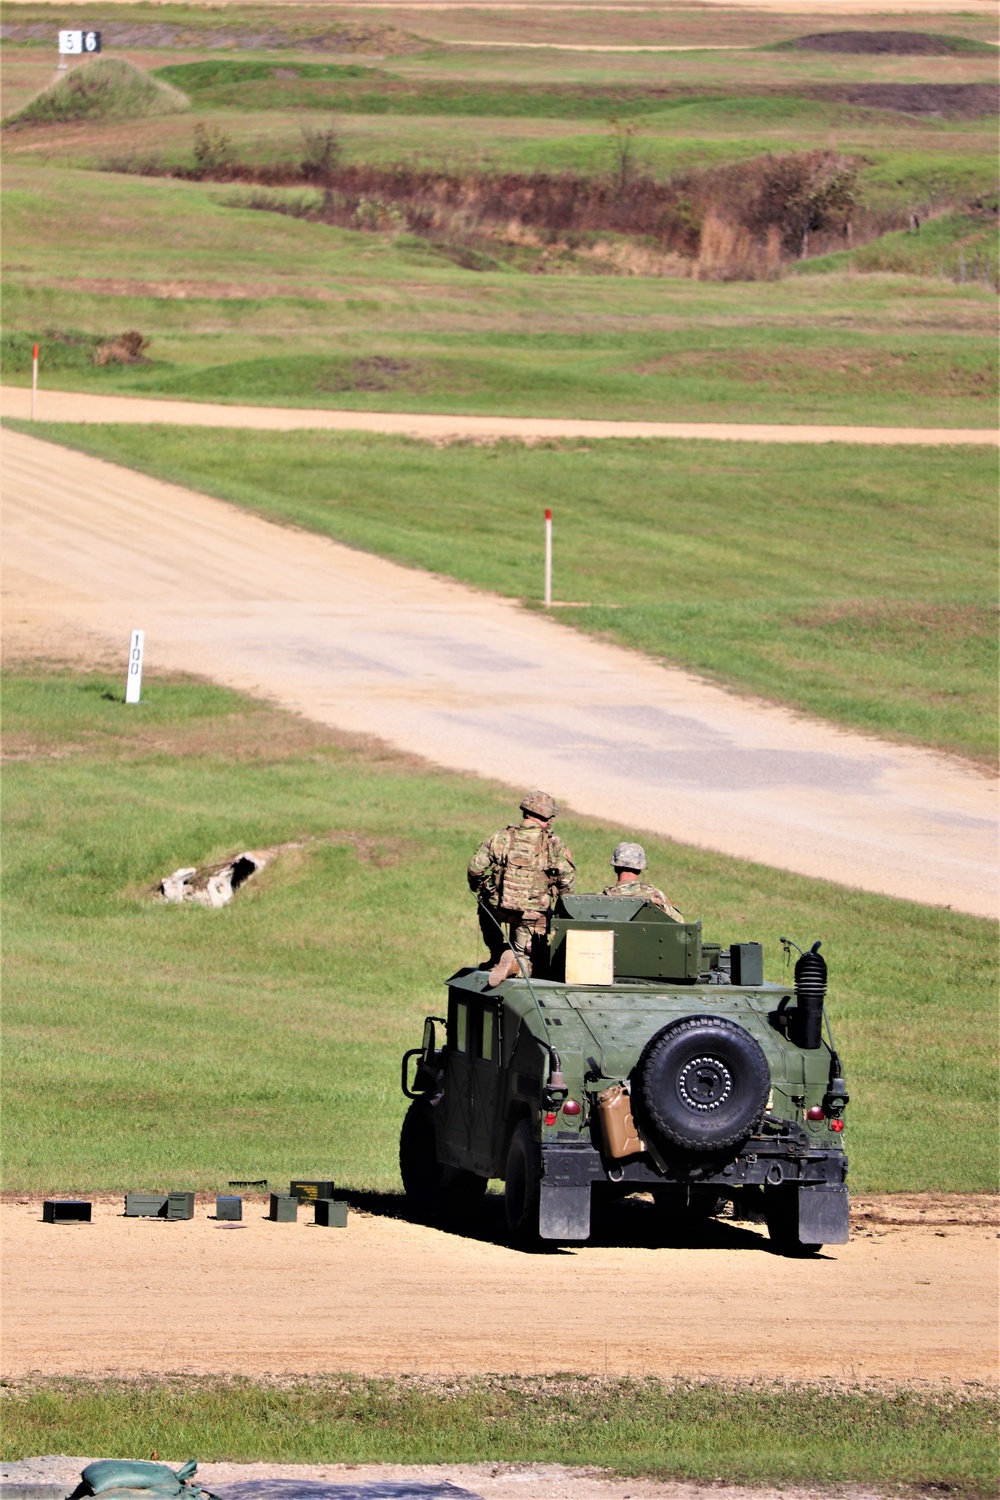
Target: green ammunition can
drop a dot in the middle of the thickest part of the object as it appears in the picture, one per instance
(284, 1209)
(331, 1213)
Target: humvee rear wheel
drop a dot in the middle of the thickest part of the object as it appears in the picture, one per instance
(781, 1215)
(522, 1186)
(703, 1083)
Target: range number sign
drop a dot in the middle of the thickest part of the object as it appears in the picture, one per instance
(77, 43)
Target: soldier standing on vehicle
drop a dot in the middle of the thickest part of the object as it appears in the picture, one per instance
(517, 875)
(628, 861)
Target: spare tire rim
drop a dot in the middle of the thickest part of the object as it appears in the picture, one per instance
(705, 1084)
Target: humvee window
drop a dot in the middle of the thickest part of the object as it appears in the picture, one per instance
(486, 1035)
(461, 1028)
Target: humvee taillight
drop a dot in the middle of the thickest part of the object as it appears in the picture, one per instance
(571, 1107)
(816, 1113)
(837, 1125)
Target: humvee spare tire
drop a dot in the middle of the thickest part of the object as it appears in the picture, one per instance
(702, 1083)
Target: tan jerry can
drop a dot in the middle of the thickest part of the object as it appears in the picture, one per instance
(621, 1137)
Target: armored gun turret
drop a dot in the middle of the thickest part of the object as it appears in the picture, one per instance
(646, 1060)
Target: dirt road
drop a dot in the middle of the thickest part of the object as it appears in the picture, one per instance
(474, 682)
(70, 406)
(900, 1302)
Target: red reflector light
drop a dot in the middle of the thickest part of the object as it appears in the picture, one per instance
(550, 1118)
(836, 1125)
(571, 1107)
(816, 1113)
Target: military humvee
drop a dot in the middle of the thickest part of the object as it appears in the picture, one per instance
(646, 1061)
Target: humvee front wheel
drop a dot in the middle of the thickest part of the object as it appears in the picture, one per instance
(522, 1186)
(418, 1164)
(433, 1190)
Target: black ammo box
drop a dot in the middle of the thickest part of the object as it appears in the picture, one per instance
(228, 1207)
(284, 1209)
(307, 1191)
(65, 1211)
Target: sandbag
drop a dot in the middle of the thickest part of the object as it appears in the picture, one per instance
(136, 1474)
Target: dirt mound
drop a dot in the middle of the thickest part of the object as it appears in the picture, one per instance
(899, 43)
(106, 89)
(127, 349)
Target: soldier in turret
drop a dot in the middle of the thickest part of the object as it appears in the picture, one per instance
(628, 861)
(517, 876)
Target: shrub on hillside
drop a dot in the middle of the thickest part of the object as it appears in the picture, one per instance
(109, 88)
(800, 195)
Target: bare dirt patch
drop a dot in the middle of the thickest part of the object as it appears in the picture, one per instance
(946, 101)
(830, 368)
(379, 373)
(886, 622)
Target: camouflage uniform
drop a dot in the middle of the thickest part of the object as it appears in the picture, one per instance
(640, 891)
(518, 874)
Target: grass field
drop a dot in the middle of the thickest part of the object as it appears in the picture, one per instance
(863, 592)
(776, 1434)
(147, 1043)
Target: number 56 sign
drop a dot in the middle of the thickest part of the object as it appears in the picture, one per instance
(75, 43)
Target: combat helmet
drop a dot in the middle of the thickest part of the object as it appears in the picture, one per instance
(628, 857)
(541, 804)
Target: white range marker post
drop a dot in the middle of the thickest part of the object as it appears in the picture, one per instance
(70, 45)
(548, 559)
(34, 379)
(133, 683)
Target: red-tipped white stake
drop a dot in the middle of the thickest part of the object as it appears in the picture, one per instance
(548, 559)
(34, 379)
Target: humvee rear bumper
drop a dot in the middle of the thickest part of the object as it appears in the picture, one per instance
(570, 1171)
